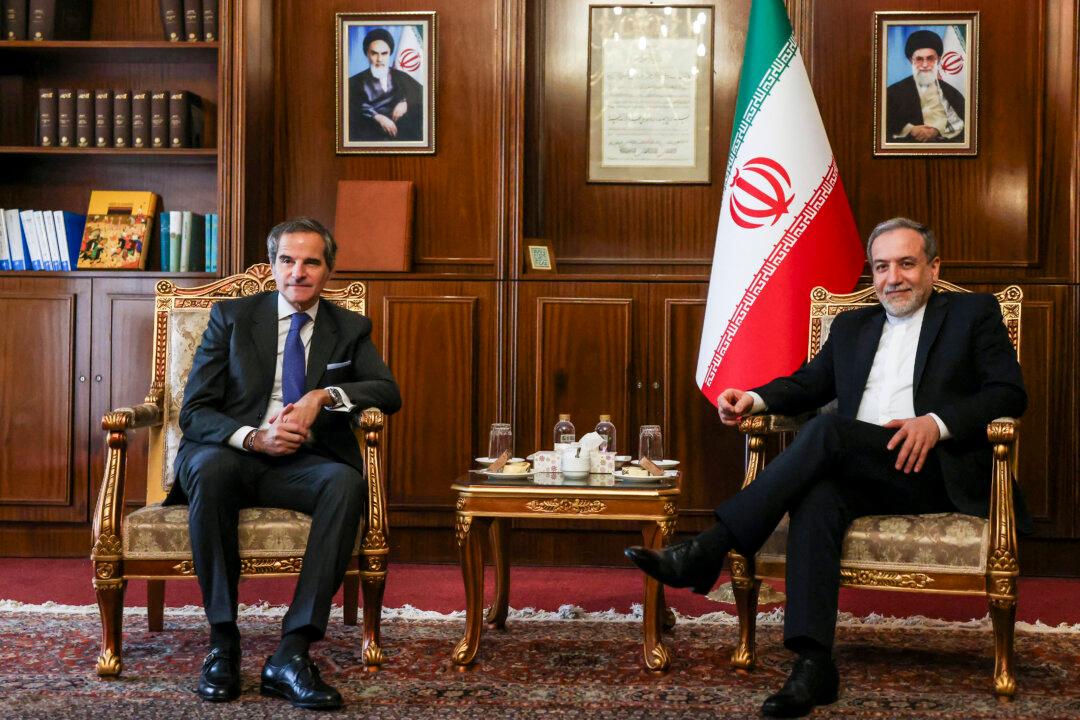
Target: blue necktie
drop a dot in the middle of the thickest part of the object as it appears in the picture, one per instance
(293, 364)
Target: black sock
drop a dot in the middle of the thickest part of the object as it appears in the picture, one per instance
(812, 649)
(294, 642)
(225, 635)
(716, 541)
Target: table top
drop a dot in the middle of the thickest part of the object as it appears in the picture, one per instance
(557, 483)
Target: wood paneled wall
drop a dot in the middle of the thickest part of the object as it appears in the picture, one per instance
(473, 338)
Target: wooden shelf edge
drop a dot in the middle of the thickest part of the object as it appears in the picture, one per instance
(109, 151)
(107, 45)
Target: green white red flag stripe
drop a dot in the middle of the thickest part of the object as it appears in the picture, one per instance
(785, 224)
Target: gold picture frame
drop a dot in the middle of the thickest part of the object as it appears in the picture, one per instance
(385, 78)
(926, 83)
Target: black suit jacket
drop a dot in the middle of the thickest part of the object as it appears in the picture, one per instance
(233, 374)
(966, 372)
(903, 106)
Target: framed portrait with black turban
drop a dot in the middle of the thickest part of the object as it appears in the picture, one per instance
(385, 83)
(926, 83)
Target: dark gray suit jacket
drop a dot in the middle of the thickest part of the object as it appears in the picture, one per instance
(233, 374)
(966, 372)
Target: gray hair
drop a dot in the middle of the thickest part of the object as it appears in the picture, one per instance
(903, 223)
(298, 225)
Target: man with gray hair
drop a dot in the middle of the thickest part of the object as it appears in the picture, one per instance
(916, 380)
(266, 423)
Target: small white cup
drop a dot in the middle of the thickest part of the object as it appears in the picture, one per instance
(574, 466)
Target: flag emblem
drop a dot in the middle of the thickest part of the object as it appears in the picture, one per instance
(952, 62)
(760, 191)
(409, 60)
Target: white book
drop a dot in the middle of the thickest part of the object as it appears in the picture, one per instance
(5, 256)
(15, 239)
(185, 242)
(50, 235)
(62, 240)
(30, 229)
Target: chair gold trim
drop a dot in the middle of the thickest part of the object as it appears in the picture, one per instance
(992, 574)
(115, 561)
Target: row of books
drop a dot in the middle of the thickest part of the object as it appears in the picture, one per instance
(46, 19)
(40, 239)
(190, 20)
(181, 250)
(119, 118)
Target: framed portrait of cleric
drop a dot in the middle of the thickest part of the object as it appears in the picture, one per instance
(385, 83)
(926, 83)
(650, 93)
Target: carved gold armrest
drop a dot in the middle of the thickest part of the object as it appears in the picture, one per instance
(1003, 430)
(768, 424)
(370, 424)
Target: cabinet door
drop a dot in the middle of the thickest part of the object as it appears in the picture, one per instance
(578, 351)
(44, 399)
(711, 454)
(441, 341)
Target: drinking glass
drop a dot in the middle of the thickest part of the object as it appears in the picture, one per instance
(500, 439)
(650, 443)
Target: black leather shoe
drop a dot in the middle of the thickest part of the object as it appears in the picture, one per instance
(812, 682)
(680, 565)
(220, 678)
(298, 682)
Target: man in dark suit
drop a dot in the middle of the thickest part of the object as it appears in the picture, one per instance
(916, 379)
(266, 423)
(923, 108)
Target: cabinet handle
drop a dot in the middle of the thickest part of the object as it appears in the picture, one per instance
(656, 385)
(82, 378)
(97, 378)
(638, 384)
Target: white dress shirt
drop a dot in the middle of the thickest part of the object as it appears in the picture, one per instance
(285, 312)
(889, 392)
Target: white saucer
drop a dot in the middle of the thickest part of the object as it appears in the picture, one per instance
(662, 464)
(489, 473)
(488, 461)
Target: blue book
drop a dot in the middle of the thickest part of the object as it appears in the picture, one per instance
(5, 256)
(69, 232)
(208, 232)
(30, 240)
(16, 242)
(163, 227)
(217, 240)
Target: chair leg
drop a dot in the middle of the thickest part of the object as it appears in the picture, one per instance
(110, 597)
(350, 588)
(745, 588)
(373, 580)
(155, 605)
(1003, 616)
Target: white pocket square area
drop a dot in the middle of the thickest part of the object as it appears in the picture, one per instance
(335, 366)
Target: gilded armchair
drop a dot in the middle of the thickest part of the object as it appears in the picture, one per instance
(942, 553)
(152, 542)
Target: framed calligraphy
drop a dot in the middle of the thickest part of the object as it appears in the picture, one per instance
(650, 93)
(926, 83)
(385, 82)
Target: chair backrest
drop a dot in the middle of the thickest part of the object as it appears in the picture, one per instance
(825, 306)
(180, 318)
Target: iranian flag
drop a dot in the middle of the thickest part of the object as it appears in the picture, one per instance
(785, 223)
(410, 54)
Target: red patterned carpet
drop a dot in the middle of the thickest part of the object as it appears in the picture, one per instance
(537, 669)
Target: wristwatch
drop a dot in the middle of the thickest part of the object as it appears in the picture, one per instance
(337, 397)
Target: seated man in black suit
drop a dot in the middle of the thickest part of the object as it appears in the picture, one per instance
(266, 423)
(917, 379)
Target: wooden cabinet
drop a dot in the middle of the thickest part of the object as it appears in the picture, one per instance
(76, 344)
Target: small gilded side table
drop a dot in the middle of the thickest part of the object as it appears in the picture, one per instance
(486, 501)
